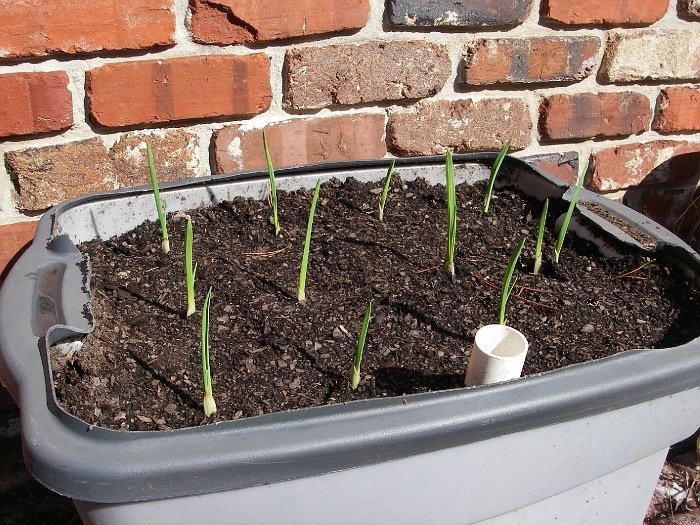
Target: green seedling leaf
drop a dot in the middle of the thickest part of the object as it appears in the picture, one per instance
(507, 287)
(569, 213)
(385, 190)
(209, 404)
(540, 236)
(494, 172)
(189, 271)
(273, 185)
(165, 245)
(301, 288)
(451, 197)
(360, 348)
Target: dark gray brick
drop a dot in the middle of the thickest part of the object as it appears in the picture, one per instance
(459, 13)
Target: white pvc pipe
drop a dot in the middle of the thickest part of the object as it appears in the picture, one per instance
(498, 355)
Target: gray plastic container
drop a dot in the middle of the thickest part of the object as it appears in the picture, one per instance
(585, 441)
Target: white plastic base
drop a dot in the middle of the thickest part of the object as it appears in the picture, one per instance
(597, 501)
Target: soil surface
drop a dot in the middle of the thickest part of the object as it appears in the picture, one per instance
(141, 368)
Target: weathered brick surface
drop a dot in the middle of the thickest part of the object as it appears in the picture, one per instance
(621, 12)
(48, 175)
(454, 13)
(589, 115)
(199, 87)
(46, 27)
(318, 77)
(301, 141)
(14, 238)
(655, 162)
(462, 126)
(651, 55)
(563, 166)
(244, 21)
(528, 60)
(34, 103)
(689, 8)
(678, 109)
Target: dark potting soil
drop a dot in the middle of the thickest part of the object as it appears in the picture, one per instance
(141, 368)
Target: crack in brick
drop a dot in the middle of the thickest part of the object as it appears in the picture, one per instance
(231, 17)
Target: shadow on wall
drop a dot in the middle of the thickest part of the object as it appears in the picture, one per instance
(670, 195)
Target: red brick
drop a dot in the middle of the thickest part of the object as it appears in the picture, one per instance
(48, 175)
(462, 126)
(46, 27)
(318, 77)
(689, 8)
(301, 141)
(529, 60)
(244, 21)
(34, 103)
(633, 56)
(678, 109)
(656, 162)
(14, 237)
(621, 12)
(589, 115)
(199, 87)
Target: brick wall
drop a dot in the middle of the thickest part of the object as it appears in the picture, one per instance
(83, 85)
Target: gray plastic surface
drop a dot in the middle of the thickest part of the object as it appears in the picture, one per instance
(526, 477)
(105, 466)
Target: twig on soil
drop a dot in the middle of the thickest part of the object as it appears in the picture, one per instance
(431, 269)
(533, 303)
(521, 289)
(631, 272)
(263, 255)
(539, 290)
